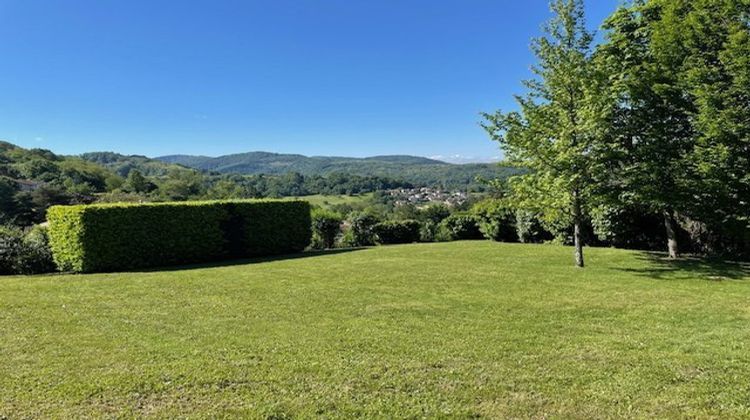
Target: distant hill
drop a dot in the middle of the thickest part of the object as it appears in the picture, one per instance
(414, 169)
(123, 164)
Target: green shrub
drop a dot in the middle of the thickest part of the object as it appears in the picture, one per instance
(25, 252)
(496, 221)
(631, 227)
(360, 232)
(326, 226)
(36, 255)
(397, 232)
(461, 227)
(530, 229)
(429, 231)
(110, 237)
(434, 213)
(10, 247)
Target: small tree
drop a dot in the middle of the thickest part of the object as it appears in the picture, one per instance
(560, 121)
(136, 182)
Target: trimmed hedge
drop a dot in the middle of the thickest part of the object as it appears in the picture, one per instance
(397, 232)
(112, 237)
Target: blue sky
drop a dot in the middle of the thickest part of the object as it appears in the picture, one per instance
(315, 77)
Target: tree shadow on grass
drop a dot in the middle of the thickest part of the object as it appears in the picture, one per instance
(660, 267)
(243, 261)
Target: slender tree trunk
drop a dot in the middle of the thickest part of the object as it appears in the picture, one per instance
(671, 227)
(577, 239)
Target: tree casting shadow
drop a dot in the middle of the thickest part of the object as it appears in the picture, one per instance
(689, 268)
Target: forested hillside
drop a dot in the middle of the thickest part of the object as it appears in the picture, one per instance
(123, 164)
(412, 169)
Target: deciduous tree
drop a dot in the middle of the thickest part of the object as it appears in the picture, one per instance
(560, 121)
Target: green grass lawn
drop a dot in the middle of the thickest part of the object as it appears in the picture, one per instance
(327, 201)
(435, 330)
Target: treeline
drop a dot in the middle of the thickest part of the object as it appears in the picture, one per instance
(646, 133)
(413, 169)
(493, 216)
(33, 180)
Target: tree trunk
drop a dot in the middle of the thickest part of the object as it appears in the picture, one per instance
(577, 240)
(671, 226)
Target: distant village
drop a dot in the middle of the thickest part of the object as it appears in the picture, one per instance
(426, 195)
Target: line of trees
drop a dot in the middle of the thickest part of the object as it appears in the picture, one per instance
(655, 119)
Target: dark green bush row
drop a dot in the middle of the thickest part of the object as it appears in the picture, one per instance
(127, 236)
(397, 232)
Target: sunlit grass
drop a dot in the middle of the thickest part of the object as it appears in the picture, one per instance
(328, 201)
(456, 329)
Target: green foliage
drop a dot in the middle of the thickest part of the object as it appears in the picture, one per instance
(128, 236)
(496, 220)
(326, 226)
(561, 122)
(225, 189)
(461, 227)
(360, 232)
(716, 75)
(182, 185)
(25, 251)
(122, 165)
(270, 227)
(434, 213)
(530, 228)
(397, 232)
(648, 160)
(137, 183)
(10, 245)
(429, 232)
(81, 176)
(8, 207)
(629, 227)
(409, 169)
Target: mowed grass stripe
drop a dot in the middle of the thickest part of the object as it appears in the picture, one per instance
(457, 329)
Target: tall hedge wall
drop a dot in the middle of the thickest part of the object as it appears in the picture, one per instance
(112, 237)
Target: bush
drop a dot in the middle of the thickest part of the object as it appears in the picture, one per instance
(36, 255)
(630, 227)
(110, 237)
(530, 229)
(326, 226)
(461, 227)
(360, 232)
(496, 221)
(429, 231)
(434, 213)
(10, 247)
(25, 252)
(397, 232)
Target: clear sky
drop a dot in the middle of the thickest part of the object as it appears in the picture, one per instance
(315, 77)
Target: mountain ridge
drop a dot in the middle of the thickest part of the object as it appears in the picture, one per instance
(182, 158)
(414, 169)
